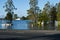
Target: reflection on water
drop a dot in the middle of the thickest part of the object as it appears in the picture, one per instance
(17, 24)
(24, 24)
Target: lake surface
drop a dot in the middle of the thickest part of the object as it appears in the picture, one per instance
(17, 24)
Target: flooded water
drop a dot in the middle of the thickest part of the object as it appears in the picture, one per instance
(25, 25)
(17, 24)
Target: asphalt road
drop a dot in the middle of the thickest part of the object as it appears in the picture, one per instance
(30, 35)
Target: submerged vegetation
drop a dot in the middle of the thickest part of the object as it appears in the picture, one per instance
(41, 19)
(48, 15)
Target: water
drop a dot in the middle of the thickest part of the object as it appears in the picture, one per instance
(17, 24)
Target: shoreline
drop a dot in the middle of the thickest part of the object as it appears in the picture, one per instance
(32, 31)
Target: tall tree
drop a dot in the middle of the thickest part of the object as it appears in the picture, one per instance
(40, 16)
(31, 14)
(58, 11)
(53, 16)
(47, 7)
(9, 7)
(45, 14)
(45, 18)
(34, 11)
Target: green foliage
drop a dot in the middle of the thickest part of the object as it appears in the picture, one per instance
(9, 8)
(58, 16)
(40, 17)
(8, 16)
(58, 12)
(31, 15)
(44, 16)
(15, 16)
(53, 14)
(24, 18)
(45, 12)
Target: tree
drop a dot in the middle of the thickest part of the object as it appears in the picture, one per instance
(45, 18)
(53, 16)
(24, 18)
(9, 8)
(33, 12)
(40, 16)
(8, 16)
(31, 15)
(58, 12)
(47, 7)
(44, 15)
(15, 16)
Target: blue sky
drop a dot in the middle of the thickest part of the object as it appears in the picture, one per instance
(22, 6)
